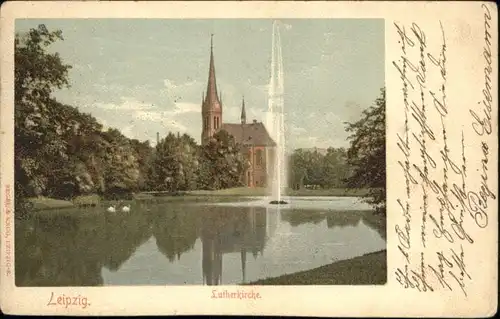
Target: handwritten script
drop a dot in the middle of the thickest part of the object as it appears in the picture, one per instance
(434, 162)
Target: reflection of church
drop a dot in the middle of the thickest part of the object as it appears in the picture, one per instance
(244, 234)
(73, 252)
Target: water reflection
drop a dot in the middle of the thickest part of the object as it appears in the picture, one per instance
(71, 251)
(175, 232)
(75, 249)
(228, 231)
(335, 219)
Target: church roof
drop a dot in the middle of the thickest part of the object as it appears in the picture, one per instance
(249, 134)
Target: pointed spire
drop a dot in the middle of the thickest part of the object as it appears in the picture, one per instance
(243, 112)
(211, 96)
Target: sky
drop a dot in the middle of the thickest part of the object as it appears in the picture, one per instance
(145, 76)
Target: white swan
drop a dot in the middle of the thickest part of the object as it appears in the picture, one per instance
(126, 209)
(111, 209)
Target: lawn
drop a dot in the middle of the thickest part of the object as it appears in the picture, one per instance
(369, 269)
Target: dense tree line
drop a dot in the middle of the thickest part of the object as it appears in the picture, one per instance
(312, 168)
(61, 152)
(179, 164)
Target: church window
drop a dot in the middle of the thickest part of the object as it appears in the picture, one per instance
(259, 157)
(206, 122)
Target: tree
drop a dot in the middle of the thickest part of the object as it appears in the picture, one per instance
(366, 154)
(222, 163)
(310, 167)
(59, 151)
(334, 168)
(190, 161)
(314, 163)
(176, 163)
(121, 168)
(144, 154)
(37, 139)
(297, 169)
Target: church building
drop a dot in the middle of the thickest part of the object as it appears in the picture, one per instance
(258, 146)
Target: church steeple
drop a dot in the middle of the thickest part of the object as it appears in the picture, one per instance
(211, 106)
(212, 96)
(243, 112)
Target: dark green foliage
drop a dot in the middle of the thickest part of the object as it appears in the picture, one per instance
(222, 163)
(36, 136)
(61, 152)
(311, 168)
(176, 163)
(366, 154)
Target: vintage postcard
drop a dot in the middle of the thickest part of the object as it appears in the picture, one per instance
(249, 158)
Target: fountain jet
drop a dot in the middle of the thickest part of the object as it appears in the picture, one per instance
(275, 121)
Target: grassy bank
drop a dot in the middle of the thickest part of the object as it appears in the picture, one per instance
(239, 191)
(354, 192)
(369, 269)
(43, 203)
(246, 191)
(87, 200)
(93, 202)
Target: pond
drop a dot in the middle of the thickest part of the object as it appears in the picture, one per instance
(192, 242)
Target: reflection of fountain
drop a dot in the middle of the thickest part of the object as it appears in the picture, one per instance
(273, 216)
(275, 121)
(277, 233)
